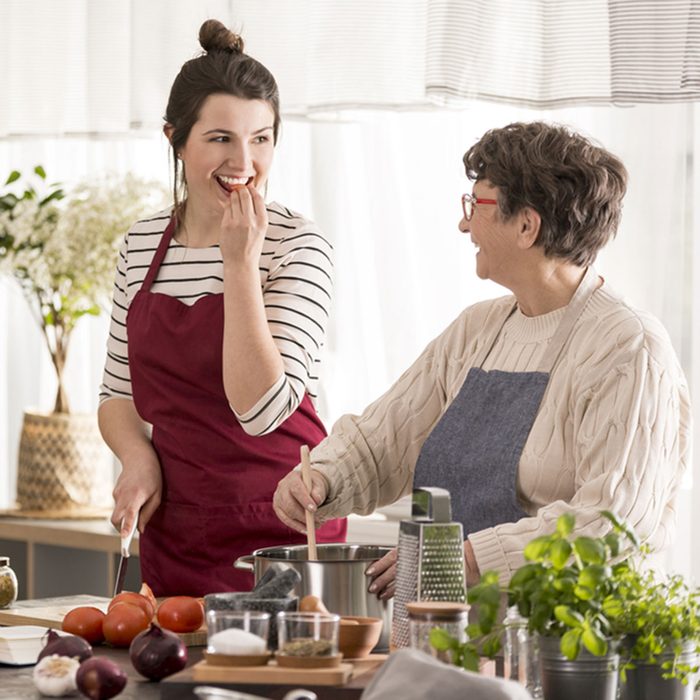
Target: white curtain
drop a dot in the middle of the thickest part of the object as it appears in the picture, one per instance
(384, 185)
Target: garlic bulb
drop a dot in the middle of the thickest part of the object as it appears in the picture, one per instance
(55, 675)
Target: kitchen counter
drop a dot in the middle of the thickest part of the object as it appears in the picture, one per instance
(16, 682)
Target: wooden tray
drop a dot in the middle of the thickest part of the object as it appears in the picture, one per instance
(52, 616)
(272, 674)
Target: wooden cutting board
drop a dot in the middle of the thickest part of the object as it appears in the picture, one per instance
(278, 675)
(338, 675)
(50, 612)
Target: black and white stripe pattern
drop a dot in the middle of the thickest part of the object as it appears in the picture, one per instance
(554, 53)
(296, 276)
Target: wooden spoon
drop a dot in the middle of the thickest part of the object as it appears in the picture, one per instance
(310, 523)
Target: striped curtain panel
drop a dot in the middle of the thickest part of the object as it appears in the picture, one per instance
(78, 66)
(555, 53)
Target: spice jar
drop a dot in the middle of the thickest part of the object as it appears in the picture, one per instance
(8, 583)
(423, 616)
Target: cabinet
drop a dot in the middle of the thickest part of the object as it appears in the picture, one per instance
(67, 557)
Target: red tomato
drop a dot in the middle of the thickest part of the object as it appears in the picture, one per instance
(123, 622)
(181, 613)
(86, 622)
(134, 599)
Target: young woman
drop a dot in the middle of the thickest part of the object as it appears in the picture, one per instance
(219, 316)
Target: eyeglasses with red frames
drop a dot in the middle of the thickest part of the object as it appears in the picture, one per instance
(469, 201)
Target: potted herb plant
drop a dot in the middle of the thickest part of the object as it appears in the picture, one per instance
(569, 592)
(661, 623)
(61, 248)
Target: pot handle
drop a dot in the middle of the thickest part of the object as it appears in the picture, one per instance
(245, 562)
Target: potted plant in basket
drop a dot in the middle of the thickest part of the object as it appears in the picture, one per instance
(62, 248)
(569, 593)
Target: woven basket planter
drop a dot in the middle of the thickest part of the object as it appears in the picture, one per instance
(64, 468)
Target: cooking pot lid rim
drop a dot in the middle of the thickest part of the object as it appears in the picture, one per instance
(378, 550)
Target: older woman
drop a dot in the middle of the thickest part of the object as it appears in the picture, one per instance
(557, 398)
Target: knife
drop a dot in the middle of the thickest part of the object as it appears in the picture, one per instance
(124, 561)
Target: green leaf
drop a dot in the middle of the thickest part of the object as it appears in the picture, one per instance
(537, 549)
(40, 172)
(570, 644)
(594, 641)
(593, 576)
(560, 553)
(491, 647)
(613, 543)
(589, 550)
(473, 631)
(56, 194)
(569, 617)
(13, 177)
(613, 607)
(470, 659)
(441, 640)
(565, 524)
(612, 518)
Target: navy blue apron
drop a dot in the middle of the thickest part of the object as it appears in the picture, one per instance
(474, 449)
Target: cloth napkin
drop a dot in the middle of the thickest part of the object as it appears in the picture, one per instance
(410, 674)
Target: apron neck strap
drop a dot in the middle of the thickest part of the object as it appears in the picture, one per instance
(583, 293)
(159, 255)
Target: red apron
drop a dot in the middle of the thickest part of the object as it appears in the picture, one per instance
(218, 481)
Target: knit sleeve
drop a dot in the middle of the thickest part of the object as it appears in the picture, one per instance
(631, 446)
(116, 381)
(297, 297)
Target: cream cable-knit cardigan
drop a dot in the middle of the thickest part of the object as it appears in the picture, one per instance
(613, 430)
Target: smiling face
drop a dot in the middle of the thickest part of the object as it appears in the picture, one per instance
(230, 145)
(498, 253)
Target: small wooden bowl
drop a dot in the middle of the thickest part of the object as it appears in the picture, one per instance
(237, 659)
(357, 641)
(289, 661)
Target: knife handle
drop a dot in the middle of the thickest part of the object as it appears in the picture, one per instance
(126, 540)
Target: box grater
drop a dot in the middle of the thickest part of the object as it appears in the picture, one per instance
(430, 558)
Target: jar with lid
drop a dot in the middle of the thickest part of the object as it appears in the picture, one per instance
(423, 616)
(8, 583)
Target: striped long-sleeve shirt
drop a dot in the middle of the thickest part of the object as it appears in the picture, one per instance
(295, 275)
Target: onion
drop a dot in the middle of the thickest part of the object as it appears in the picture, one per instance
(99, 678)
(157, 653)
(65, 645)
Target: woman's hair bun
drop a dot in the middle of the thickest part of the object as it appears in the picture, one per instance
(214, 36)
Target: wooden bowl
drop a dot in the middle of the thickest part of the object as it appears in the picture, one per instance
(237, 659)
(356, 641)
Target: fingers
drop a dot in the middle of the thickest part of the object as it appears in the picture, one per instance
(383, 575)
(147, 510)
(292, 500)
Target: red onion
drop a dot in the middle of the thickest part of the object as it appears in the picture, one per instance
(100, 679)
(65, 645)
(157, 653)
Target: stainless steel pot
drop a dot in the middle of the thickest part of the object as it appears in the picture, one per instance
(338, 578)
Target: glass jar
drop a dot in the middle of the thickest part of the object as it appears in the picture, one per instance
(520, 653)
(423, 616)
(8, 583)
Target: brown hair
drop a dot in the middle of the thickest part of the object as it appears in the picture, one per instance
(222, 69)
(575, 186)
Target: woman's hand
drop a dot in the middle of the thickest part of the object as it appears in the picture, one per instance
(243, 227)
(291, 500)
(383, 575)
(137, 492)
